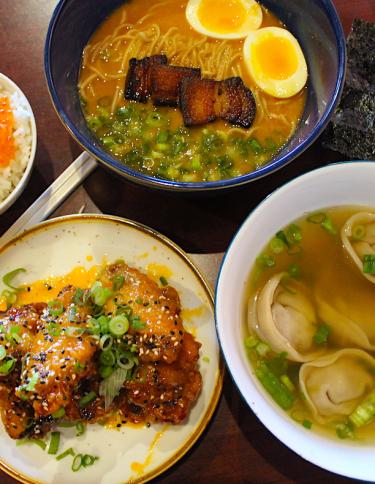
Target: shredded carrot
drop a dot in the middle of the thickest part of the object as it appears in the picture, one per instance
(7, 147)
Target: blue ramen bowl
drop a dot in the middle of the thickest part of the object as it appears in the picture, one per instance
(315, 23)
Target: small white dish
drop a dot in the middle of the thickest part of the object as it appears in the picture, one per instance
(11, 87)
(128, 454)
(343, 184)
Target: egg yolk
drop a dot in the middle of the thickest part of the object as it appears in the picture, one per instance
(222, 16)
(7, 147)
(276, 57)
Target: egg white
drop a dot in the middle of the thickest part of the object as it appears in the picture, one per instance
(253, 22)
(279, 88)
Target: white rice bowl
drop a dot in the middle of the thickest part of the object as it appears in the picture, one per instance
(14, 177)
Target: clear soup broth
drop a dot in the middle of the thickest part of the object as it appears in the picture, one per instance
(311, 333)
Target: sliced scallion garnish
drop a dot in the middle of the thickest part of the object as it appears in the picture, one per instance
(7, 365)
(39, 442)
(55, 307)
(59, 413)
(8, 278)
(118, 325)
(100, 294)
(118, 282)
(65, 454)
(369, 264)
(328, 225)
(54, 443)
(321, 335)
(316, 218)
(163, 281)
(87, 399)
(77, 462)
(80, 429)
(365, 411)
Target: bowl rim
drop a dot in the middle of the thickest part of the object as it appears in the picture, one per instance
(22, 182)
(140, 178)
(339, 445)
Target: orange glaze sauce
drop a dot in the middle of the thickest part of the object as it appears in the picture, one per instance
(140, 467)
(47, 289)
(168, 14)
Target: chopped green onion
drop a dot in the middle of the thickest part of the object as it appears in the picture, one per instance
(280, 394)
(74, 331)
(328, 225)
(251, 342)
(277, 246)
(100, 294)
(54, 443)
(80, 429)
(14, 333)
(54, 329)
(8, 278)
(72, 314)
(66, 453)
(106, 342)
(103, 322)
(307, 424)
(106, 371)
(163, 281)
(365, 411)
(3, 352)
(126, 361)
(78, 297)
(119, 325)
(87, 399)
(66, 425)
(321, 335)
(55, 307)
(59, 413)
(9, 296)
(111, 386)
(77, 462)
(118, 282)
(358, 232)
(278, 365)
(88, 460)
(345, 430)
(107, 358)
(139, 300)
(287, 382)
(294, 234)
(39, 442)
(316, 218)
(282, 237)
(265, 261)
(30, 387)
(262, 349)
(93, 326)
(369, 264)
(137, 324)
(8, 365)
(294, 270)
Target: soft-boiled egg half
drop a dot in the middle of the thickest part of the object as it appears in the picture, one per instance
(275, 61)
(224, 19)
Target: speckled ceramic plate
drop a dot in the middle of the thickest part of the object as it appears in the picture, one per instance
(128, 454)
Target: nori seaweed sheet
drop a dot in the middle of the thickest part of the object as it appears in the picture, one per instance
(352, 128)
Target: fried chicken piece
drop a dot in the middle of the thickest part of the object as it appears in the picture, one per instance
(138, 83)
(235, 103)
(197, 101)
(165, 83)
(164, 392)
(160, 336)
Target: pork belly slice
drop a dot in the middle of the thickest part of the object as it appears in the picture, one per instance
(197, 101)
(235, 103)
(204, 100)
(137, 83)
(165, 83)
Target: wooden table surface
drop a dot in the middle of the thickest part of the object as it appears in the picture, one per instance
(235, 446)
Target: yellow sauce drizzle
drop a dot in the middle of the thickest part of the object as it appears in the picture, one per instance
(155, 271)
(189, 315)
(143, 256)
(47, 289)
(89, 258)
(139, 467)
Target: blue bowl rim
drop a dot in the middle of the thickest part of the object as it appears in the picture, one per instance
(338, 163)
(141, 178)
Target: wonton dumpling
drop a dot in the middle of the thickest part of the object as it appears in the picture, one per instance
(357, 249)
(285, 320)
(335, 384)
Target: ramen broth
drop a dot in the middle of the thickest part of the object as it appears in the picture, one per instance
(318, 266)
(153, 140)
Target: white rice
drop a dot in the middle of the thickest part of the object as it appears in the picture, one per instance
(11, 174)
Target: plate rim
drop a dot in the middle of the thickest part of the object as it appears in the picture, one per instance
(215, 398)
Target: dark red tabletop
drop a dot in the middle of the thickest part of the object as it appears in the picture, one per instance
(235, 447)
